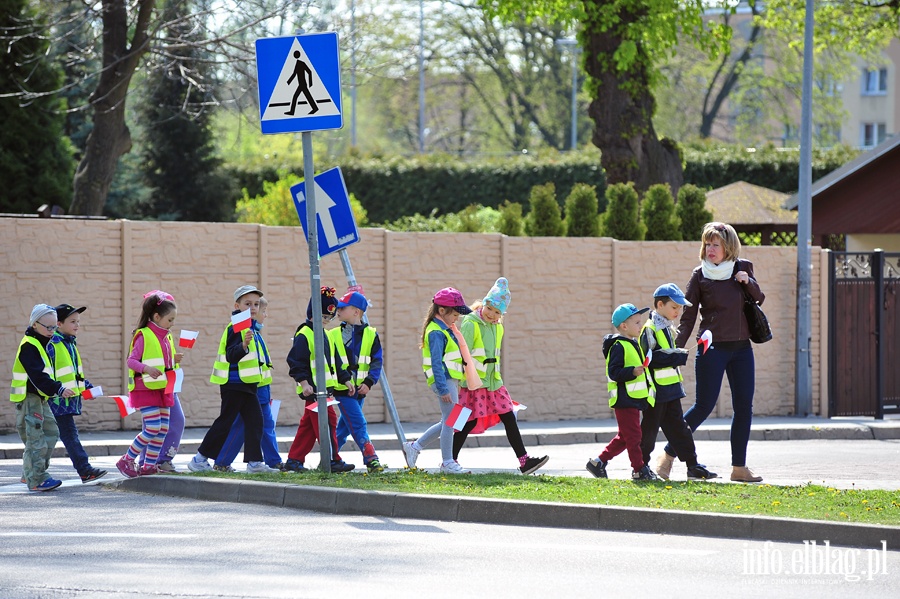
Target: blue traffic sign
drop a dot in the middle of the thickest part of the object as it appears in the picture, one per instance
(299, 79)
(337, 227)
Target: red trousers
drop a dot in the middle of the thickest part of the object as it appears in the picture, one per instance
(308, 433)
(628, 438)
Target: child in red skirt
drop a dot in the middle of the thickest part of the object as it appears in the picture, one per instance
(491, 402)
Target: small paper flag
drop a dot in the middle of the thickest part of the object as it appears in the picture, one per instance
(275, 407)
(705, 341)
(171, 377)
(314, 407)
(241, 321)
(188, 338)
(179, 380)
(648, 358)
(124, 405)
(458, 417)
(92, 392)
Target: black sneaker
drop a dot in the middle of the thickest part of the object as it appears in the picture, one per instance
(341, 466)
(597, 467)
(532, 464)
(643, 474)
(294, 466)
(93, 474)
(699, 472)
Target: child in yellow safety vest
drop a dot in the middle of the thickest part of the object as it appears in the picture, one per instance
(630, 392)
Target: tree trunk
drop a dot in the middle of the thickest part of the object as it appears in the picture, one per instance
(622, 110)
(110, 139)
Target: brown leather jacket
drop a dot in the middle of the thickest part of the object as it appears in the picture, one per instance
(721, 306)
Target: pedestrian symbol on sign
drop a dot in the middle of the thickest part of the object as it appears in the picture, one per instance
(301, 72)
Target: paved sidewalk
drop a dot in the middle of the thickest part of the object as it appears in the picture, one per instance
(563, 432)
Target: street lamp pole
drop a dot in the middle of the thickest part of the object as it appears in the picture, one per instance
(421, 77)
(571, 44)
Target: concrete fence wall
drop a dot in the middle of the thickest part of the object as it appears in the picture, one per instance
(563, 292)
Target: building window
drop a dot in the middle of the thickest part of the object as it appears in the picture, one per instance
(873, 134)
(874, 82)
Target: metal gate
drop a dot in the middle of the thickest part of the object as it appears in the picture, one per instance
(864, 334)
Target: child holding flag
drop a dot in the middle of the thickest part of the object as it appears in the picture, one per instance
(301, 362)
(237, 371)
(658, 335)
(442, 362)
(268, 442)
(490, 402)
(67, 365)
(33, 382)
(151, 368)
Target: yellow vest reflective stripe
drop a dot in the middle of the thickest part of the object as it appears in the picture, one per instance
(638, 388)
(152, 356)
(335, 338)
(364, 363)
(479, 353)
(249, 368)
(66, 371)
(668, 375)
(330, 378)
(452, 356)
(19, 386)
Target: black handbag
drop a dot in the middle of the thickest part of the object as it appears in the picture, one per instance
(760, 331)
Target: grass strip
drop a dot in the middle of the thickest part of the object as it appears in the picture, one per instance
(808, 501)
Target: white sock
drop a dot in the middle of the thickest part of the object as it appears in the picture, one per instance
(200, 457)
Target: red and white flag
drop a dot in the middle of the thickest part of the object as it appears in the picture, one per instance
(458, 417)
(705, 341)
(241, 321)
(314, 407)
(188, 338)
(124, 405)
(171, 377)
(92, 392)
(648, 358)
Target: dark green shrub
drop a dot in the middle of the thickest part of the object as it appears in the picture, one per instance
(621, 220)
(658, 214)
(582, 218)
(544, 218)
(691, 210)
(511, 221)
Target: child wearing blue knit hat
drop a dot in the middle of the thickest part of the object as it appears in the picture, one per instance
(490, 403)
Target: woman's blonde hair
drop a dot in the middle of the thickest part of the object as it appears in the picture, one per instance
(730, 241)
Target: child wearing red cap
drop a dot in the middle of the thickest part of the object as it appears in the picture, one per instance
(443, 365)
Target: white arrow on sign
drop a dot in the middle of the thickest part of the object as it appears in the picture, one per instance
(323, 211)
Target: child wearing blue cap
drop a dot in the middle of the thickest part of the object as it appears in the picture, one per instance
(630, 392)
(360, 348)
(658, 340)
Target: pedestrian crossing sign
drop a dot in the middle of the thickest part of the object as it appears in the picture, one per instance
(299, 80)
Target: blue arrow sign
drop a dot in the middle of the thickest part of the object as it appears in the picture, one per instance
(299, 79)
(337, 227)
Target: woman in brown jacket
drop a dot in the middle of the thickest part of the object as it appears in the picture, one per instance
(717, 289)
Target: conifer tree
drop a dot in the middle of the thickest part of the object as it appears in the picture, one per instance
(544, 218)
(658, 214)
(621, 219)
(582, 218)
(511, 222)
(691, 209)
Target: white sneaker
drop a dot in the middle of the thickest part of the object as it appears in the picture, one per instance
(198, 466)
(260, 468)
(411, 453)
(453, 468)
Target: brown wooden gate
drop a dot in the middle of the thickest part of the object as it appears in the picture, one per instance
(864, 334)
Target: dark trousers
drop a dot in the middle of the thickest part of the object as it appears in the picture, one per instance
(512, 434)
(236, 401)
(628, 438)
(740, 368)
(670, 418)
(68, 434)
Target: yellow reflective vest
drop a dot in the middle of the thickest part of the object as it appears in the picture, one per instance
(452, 356)
(248, 367)
(331, 381)
(152, 356)
(364, 361)
(68, 373)
(668, 375)
(19, 386)
(640, 388)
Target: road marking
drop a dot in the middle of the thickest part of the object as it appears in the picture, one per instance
(105, 535)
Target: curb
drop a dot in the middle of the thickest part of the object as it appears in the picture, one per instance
(332, 500)
(837, 431)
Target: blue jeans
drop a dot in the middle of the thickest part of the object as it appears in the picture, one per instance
(740, 368)
(68, 434)
(267, 442)
(353, 423)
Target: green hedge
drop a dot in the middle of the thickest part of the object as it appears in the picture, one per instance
(394, 187)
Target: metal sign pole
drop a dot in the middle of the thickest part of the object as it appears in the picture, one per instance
(386, 388)
(315, 284)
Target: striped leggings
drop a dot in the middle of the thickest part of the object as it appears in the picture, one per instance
(156, 425)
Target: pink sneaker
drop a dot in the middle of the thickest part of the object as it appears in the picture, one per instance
(127, 467)
(148, 469)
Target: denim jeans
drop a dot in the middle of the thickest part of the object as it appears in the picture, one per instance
(68, 434)
(235, 440)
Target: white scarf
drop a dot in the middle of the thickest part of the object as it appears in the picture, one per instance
(717, 272)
